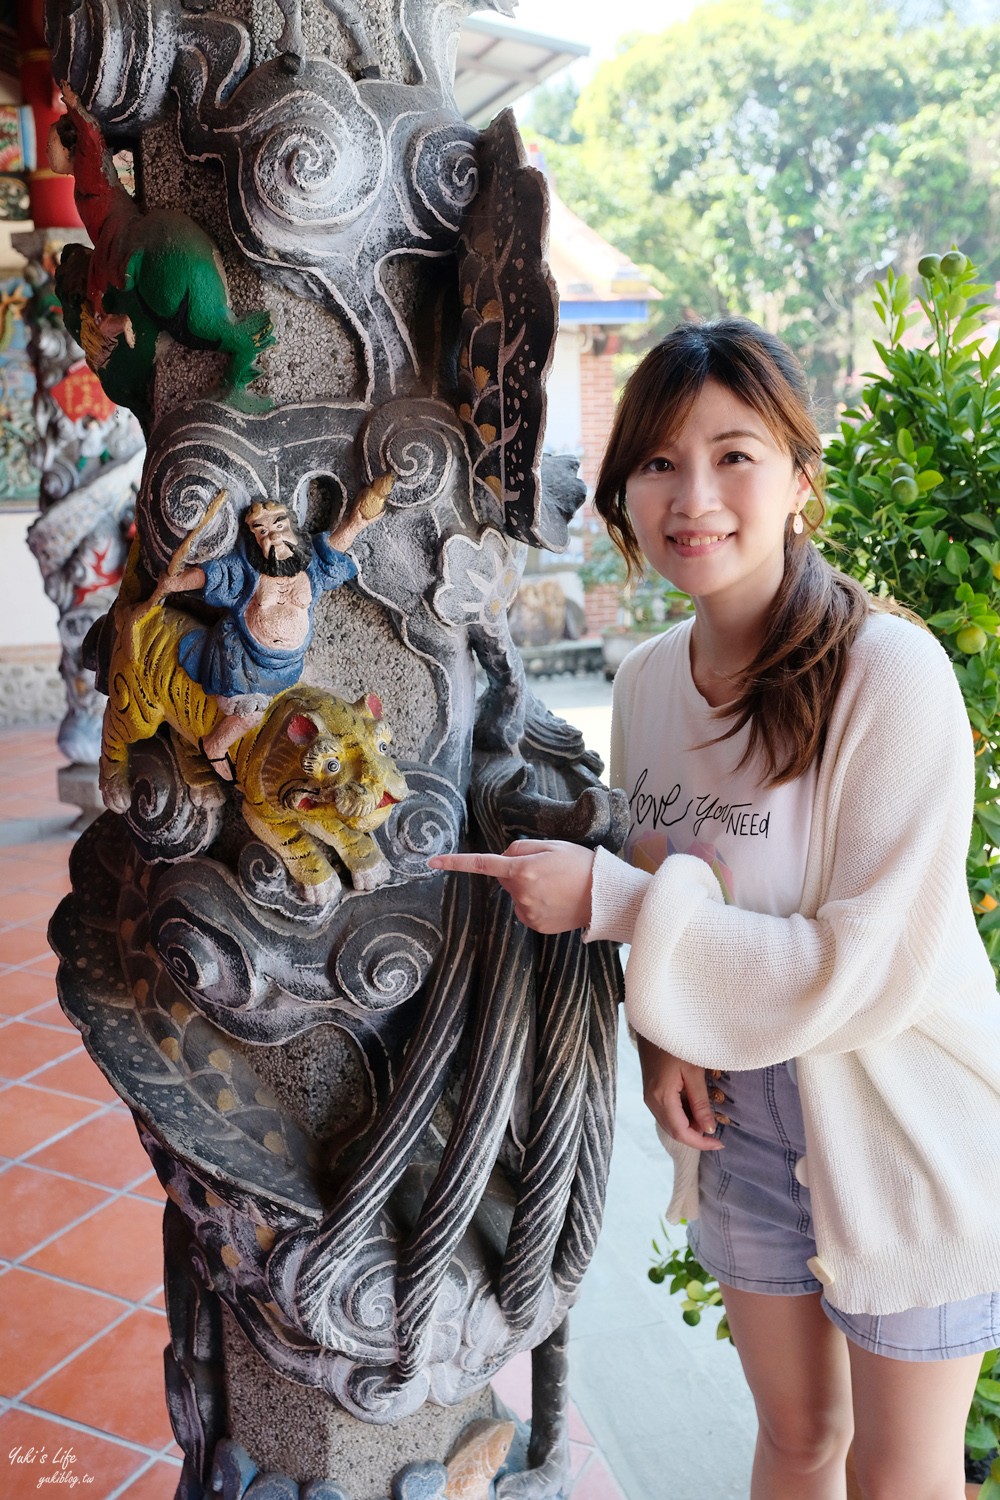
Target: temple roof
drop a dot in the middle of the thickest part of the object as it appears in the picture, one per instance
(499, 63)
(597, 283)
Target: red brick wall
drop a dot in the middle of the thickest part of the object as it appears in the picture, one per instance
(600, 608)
(597, 409)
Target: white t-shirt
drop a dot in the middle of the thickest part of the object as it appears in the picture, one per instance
(687, 796)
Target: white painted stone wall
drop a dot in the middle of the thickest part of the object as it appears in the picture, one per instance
(563, 425)
(27, 617)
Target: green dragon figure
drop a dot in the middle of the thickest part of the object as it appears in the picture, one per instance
(148, 273)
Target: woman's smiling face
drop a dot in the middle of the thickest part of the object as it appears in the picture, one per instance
(709, 506)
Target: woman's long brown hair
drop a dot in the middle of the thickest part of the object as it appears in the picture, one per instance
(787, 692)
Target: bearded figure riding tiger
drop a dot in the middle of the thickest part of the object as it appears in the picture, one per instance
(313, 771)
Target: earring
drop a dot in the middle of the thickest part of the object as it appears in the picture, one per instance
(798, 525)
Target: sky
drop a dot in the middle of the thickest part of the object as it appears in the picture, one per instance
(588, 20)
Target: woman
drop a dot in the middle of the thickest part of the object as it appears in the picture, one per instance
(799, 768)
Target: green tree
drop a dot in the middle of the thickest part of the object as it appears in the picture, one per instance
(772, 159)
(552, 111)
(945, 176)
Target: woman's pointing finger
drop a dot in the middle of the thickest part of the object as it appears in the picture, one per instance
(497, 865)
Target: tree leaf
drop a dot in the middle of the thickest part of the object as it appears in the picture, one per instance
(980, 522)
(956, 559)
(970, 324)
(990, 822)
(979, 1439)
(928, 517)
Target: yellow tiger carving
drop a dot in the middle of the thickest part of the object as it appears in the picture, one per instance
(316, 771)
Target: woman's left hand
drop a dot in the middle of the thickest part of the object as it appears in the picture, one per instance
(549, 881)
(676, 1095)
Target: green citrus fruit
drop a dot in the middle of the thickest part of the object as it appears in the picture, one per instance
(902, 471)
(929, 265)
(692, 1317)
(905, 490)
(970, 639)
(953, 264)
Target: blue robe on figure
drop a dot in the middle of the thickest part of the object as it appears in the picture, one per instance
(225, 658)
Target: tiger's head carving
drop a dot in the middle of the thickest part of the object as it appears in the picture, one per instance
(343, 764)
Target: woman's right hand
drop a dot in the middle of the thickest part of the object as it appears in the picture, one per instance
(676, 1094)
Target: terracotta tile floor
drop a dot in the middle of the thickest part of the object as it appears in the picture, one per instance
(82, 1327)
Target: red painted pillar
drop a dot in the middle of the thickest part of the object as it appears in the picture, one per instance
(52, 205)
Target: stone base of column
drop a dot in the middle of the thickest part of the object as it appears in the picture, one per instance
(301, 1432)
(77, 786)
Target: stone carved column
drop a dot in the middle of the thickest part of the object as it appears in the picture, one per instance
(381, 1108)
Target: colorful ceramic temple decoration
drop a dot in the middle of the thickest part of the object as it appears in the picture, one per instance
(311, 770)
(266, 590)
(18, 475)
(16, 156)
(381, 1108)
(89, 456)
(149, 273)
(50, 198)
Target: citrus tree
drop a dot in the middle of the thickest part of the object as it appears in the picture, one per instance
(912, 482)
(912, 489)
(982, 1434)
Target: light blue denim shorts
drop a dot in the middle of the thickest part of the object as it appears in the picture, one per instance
(755, 1229)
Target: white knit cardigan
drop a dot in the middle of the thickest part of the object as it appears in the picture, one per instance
(880, 987)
